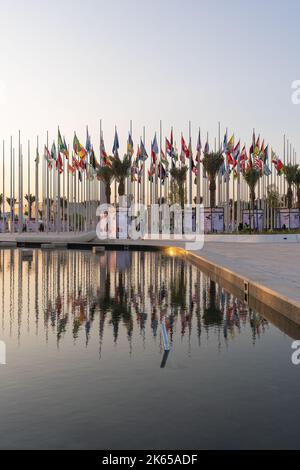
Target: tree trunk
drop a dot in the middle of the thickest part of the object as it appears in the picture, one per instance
(252, 198)
(181, 195)
(121, 189)
(107, 193)
(212, 190)
(298, 197)
(289, 196)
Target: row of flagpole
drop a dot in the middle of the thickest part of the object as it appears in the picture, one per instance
(54, 186)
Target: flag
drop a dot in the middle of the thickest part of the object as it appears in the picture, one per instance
(62, 146)
(251, 150)
(194, 168)
(163, 158)
(59, 163)
(143, 152)
(37, 158)
(243, 155)
(116, 145)
(93, 160)
(138, 154)
(230, 145)
(161, 172)
(184, 148)
(154, 149)
(48, 157)
(78, 148)
(65, 150)
(53, 152)
(199, 148)
(225, 143)
(258, 164)
(236, 151)
(266, 170)
(130, 149)
(266, 154)
(75, 163)
(206, 148)
(277, 162)
(168, 148)
(60, 142)
(88, 145)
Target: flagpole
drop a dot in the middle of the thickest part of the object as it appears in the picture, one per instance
(63, 160)
(69, 194)
(199, 168)
(227, 191)
(20, 214)
(47, 192)
(191, 158)
(14, 184)
(238, 215)
(160, 162)
(58, 212)
(219, 176)
(3, 195)
(11, 185)
(144, 169)
(28, 195)
(37, 185)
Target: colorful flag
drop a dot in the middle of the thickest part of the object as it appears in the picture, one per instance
(130, 149)
(48, 157)
(161, 173)
(88, 145)
(116, 145)
(236, 151)
(93, 160)
(154, 149)
(206, 148)
(59, 163)
(225, 143)
(143, 152)
(199, 148)
(163, 158)
(184, 148)
(53, 152)
(266, 170)
(78, 148)
(230, 145)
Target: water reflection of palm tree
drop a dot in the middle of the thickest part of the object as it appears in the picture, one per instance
(212, 313)
(118, 306)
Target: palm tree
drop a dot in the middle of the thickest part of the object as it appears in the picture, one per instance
(121, 170)
(212, 163)
(31, 200)
(290, 172)
(297, 183)
(179, 175)
(1, 202)
(11, 202)
(105, 174)
(251, 176)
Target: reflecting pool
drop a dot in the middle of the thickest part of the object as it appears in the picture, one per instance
(86, 366)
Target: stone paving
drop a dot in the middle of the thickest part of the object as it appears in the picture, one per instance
(274, 265)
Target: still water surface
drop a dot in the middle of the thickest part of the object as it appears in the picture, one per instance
(86, 366)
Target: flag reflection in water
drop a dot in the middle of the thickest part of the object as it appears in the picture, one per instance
(114, 294)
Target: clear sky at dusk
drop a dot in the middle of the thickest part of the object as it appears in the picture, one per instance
(71, 62)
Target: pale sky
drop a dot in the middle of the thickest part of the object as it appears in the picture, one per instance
(72, 62)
